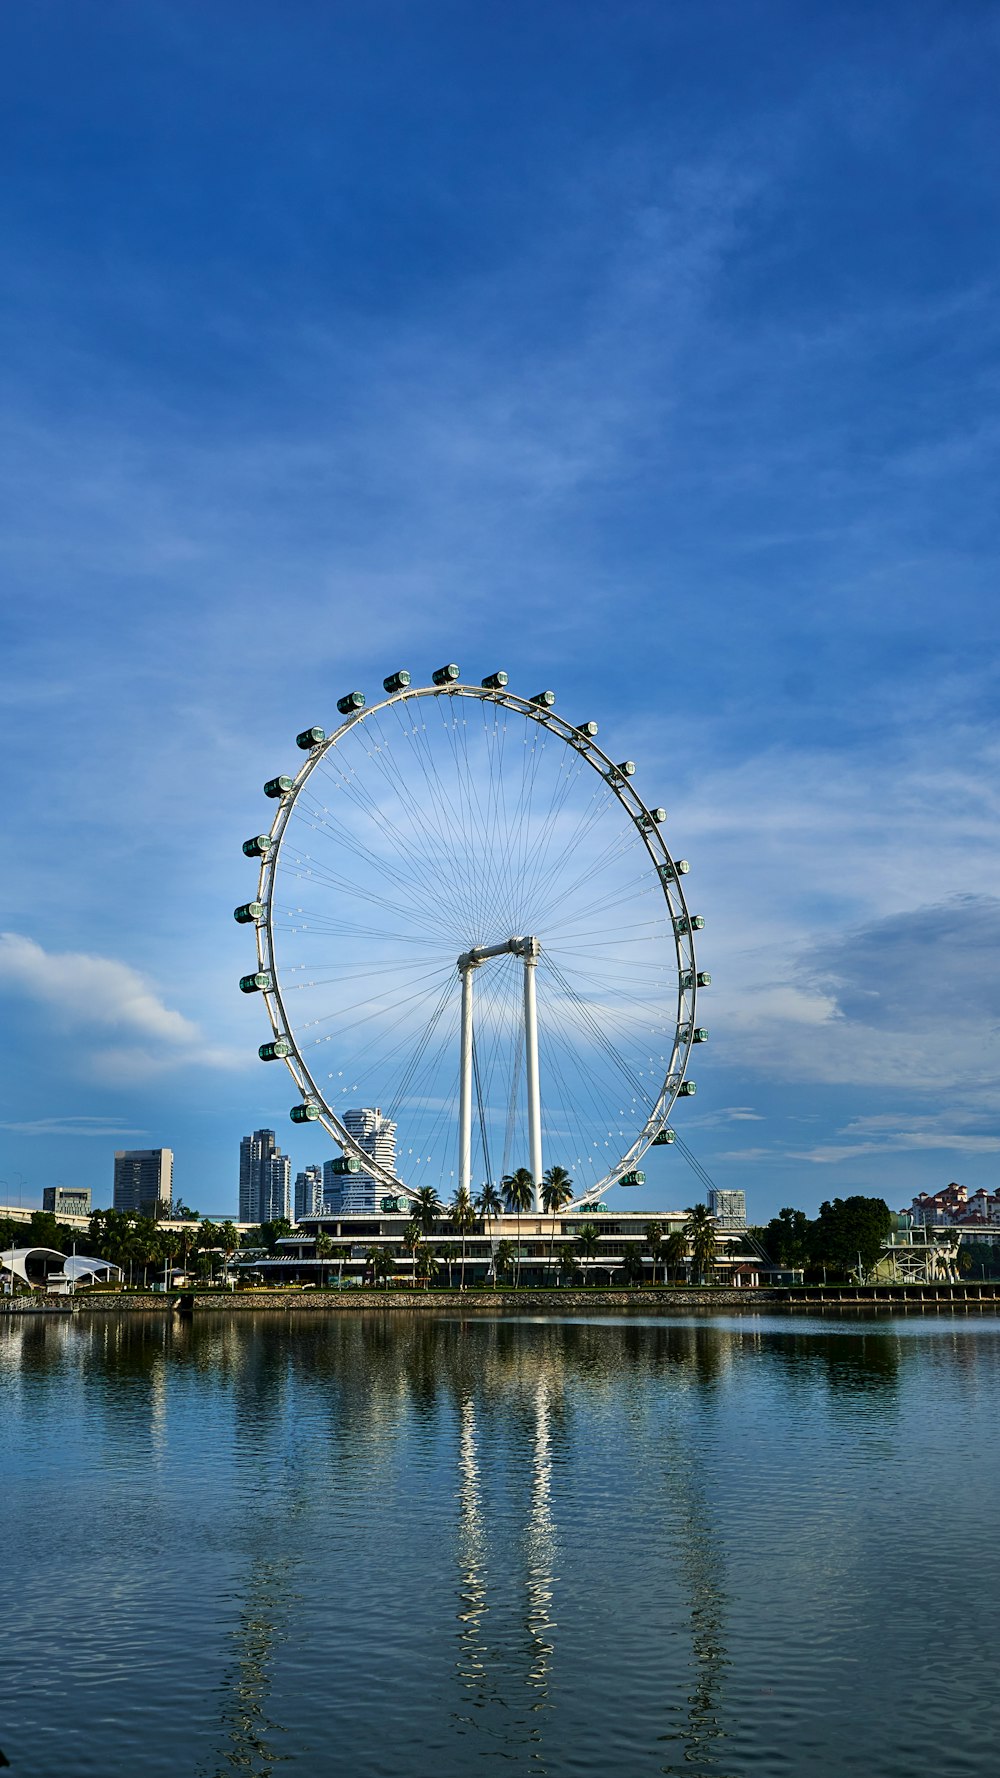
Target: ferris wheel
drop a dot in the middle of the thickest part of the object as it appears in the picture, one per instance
(467, 917)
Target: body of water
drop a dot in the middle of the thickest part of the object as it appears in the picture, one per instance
(426, 1547)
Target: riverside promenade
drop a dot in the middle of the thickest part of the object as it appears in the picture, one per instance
(671, 1300)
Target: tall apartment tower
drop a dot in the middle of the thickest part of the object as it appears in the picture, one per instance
(347, 1192)
(264, 1178)
(144, 1180)
(308, 1193)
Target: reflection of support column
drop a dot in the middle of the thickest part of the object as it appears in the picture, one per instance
(541, 1546)
(465, 1082)
(530, 954)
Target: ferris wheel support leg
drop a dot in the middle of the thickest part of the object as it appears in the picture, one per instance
(465, 1085)
(531, 1059)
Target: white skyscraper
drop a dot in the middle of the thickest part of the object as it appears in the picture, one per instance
(346, 1192)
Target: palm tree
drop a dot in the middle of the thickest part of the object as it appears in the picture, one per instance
(380, 1263)
(654, 1241)
(503, 1259)
(569, 1265)
(427, 1264)
(427, 1208)
(411, 1241)
(519, 1191)
(463, 1221)
(675, 1252)
(699, 1231)
(587, 1242)
(489, 1204)
(324, 1251)
(230, 1241)
(557, 1190)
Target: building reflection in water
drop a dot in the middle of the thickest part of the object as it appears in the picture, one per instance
(248, 1731)
(540, 1541)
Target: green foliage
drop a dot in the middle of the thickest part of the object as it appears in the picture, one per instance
(273, 1232)
(503, 1259)
(44, 1230)
(675, 1252)
(979, 1259)
(699, 1232)
(846, 1229)
(427, 1208)
(786, 1238)
(11, 1233)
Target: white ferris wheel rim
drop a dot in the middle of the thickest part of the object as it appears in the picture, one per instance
(620, 783)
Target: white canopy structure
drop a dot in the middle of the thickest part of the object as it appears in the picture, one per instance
(45, 1268)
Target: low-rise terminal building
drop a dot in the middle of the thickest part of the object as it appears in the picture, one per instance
(623, 1247)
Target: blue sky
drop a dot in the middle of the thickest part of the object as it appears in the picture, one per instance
(648, 351)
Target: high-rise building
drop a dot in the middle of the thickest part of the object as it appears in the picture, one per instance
(728, 1207)
(144, 1180)
(308, 1192)
(66, 1200)
(264, 1178)
(347, 1192)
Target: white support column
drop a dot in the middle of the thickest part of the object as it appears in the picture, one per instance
(465, 1082)
(530, 954)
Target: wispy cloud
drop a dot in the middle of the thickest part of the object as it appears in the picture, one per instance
(75, 1126)
(77, 991)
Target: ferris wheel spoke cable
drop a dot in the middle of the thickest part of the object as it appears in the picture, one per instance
(323, 876)
(439, 799)
(598, 1032)
(397, 781)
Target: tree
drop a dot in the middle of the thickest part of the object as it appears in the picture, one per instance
(229, 1241)
(654, 1241)
(381, 1265)
(786, 1238)
(273, 1232)
(675, 1251)
(588, 1240)
(427, 1208)
(569, 1265)
(463, 1221)
(146, 1244)
(519, 1191)
(503, 1259)
(849, 1232)
(45, 1230)
(427, 1264)
(557, 1191)
(699, 1231)
(632, 1266)
(324, 1251)
(489, 1204)
(411, 1241)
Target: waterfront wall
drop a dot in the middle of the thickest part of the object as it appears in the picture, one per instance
(675, 1300)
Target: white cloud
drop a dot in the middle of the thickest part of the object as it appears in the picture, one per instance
(73, 1125)
(79, 991)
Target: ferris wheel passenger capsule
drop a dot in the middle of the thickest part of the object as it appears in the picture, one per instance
(652, 818)
(674, 868)
(494, 681)
(633, 1178)
(310, 738)
(626, 767)
(304, 1114)
(397, 681)
(684, 921)
(254, 984)
(686, 1090)
(587, 729)
(544, 699)
(276, 1050)
(249, 912)
(445, 675)
(279, 786)
(258, 847)
(663, 1138)
(690, 977)
(346, 1163)
(354, 700)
